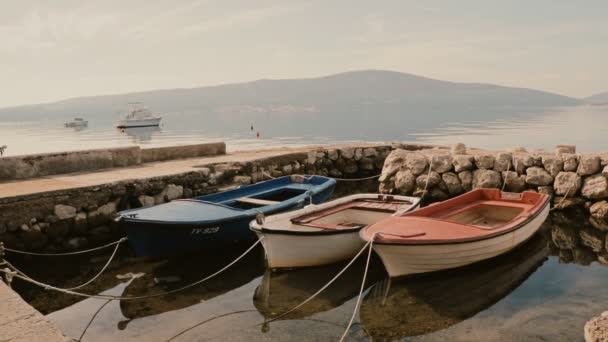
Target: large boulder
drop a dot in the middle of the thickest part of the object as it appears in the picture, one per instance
(553, 165)
(405, 182)
(588, 165)
(458, 149)
(570, 162)
(347, 152)
(452, 183)
(538, 176)
(466, 179)
(65, 212)
(567, 183)
(595, 187)
(433, 178)
(486, 179)
(441, 163)
(503, 162)
(484, 161)
(599, 210)
(416, 163)
(393, 163)
(463, 163)
(513, 181)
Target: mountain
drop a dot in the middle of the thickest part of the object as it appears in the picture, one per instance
(375, 90)
(600, 98)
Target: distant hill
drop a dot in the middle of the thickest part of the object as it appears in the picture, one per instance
(598, 98)
(344, 92)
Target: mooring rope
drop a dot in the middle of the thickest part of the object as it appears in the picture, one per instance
(428, 177)
(320, 290)
(49, 287)
(67, 253)
(91, 320)
(352, 318)
(82, 285)
(563, 198)
(504, 181)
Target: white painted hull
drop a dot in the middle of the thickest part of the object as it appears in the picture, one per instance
(292, 251)
(403, 259)
(138, 123)
(287, 246)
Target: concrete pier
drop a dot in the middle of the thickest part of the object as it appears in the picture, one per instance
(21, 322)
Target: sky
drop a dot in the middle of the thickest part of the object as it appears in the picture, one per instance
(52, 50)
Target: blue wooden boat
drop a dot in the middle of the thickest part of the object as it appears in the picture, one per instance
(188, 225)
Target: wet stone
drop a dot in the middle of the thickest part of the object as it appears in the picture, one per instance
(567, 183)
(595, 187)
(416, 163)
(599, 223)
(433, 179)
(466, 179)
(565, 256)
(441, 163)
(452, 183)
(463, 163)
(570, 162)
(564, 237)
(583, 256)
(553, 165)
(405, 181)
(592, 238)
(64, 212)
(503, 162)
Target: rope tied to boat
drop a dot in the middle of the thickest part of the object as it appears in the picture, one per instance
(103, 269)
(360, 296)
(559, 205)
(108, 297)
(68, 253)
(428, 177)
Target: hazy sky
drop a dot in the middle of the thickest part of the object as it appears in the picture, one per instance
(55, 49)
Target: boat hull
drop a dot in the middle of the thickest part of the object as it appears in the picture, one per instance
(165, 238)
(406, 259)
(138, 123)
(292, 251)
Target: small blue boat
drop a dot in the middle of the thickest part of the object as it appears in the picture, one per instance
(190, 225)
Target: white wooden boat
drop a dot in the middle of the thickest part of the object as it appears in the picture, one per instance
(138, 117)
(326, 233)
(469, 228)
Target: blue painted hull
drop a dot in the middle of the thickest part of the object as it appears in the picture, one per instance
(172, 237)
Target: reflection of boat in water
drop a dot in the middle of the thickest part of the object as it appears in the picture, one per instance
(77, 123)
(187, 271)
(431, 302)
(280, 292)
(141, 134)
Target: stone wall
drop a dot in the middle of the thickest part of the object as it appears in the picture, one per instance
(40, 165)
(79, 218)
(179, 152)
(580, 178)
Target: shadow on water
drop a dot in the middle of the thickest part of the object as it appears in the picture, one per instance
(426, 303)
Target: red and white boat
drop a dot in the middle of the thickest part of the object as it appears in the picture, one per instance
(469, 228)
(325, 233)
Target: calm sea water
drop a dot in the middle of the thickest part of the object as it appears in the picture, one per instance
(534, 293)
(585, 126)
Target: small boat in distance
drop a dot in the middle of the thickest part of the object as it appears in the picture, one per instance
(326, 233)
(77, 122)
(138, 117)
(188, 225)
(463, 230)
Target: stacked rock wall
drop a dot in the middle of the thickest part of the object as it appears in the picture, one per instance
(572, 179)
(78, 218)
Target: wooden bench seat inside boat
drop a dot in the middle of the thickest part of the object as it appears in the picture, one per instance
(468, 217)
(256, 201)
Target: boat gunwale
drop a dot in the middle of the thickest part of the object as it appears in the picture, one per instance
(247, 214)
(254, 226)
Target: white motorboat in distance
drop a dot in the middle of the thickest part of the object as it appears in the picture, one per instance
(77, 122)
(326, 233)
(138, 117)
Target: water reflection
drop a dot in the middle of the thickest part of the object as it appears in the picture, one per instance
(280, 292)
(179, 272)
(427, 303)
(140, 135)
(578, 239)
